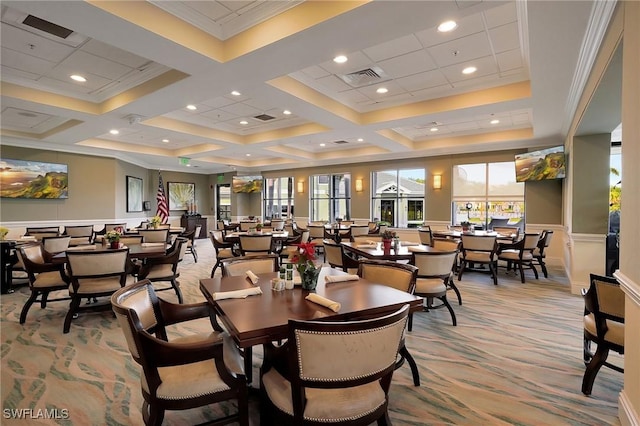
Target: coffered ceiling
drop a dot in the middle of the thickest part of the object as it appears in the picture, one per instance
(252, 85)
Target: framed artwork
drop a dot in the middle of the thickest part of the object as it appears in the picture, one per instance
(33, 179)
(134, 194)
(182, 195)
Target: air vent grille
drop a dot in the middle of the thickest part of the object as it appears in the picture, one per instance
(264, 117)
(47, 27)
(365, 77)
(340, 142)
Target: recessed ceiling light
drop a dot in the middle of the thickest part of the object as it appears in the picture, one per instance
(323, 144)
(360, 140)
(469, 70)
(236, 93)
(382, 90)
(165, 140)
(434, 129)
(340, 59)
(114, 131)
(192, 107)
(447, 26)
(286, 112)
(77, 77)
(244, 122)
(495, 121)
(188, 164)
(248, 155)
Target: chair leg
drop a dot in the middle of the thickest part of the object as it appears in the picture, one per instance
(73, 308)
(384, 420)
(462, 266)
(593, 367)
(455, 288)
(493, 273)
(155, 416)
(543, 266)
(404, 352)
(453, 314)
(586, 350)
(176, 286)
(27, 305)
(521, 268)
(43, 299)
(535, 271)
(410, 325)
(194, 253)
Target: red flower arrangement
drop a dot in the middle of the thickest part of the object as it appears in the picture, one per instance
(304, 257)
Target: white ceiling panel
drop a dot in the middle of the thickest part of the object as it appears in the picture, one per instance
(509, 60)
(23, 41)
(461, 50)
(501, 15)
(26, 63)
(423, 80)
(393, 48)
(505, 37)
(466, 26)
(114, 54)
(96, 65)
(410, 63)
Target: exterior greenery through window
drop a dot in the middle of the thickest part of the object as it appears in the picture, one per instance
(330, 197)
(491, 192)
(278, 199)
(398, 197)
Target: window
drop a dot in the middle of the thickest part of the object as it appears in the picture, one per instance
(224, 201)
(278, 200)
(398, 197)
(485, 192)
(330, 197)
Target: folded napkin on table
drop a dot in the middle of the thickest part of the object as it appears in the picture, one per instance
(417, 248)
(27, 238)
(252, 277)
(328, 303)
(152, 244)
(409, 243)
(237, 294)
(367, 244)
(340, 278)
(82, 247)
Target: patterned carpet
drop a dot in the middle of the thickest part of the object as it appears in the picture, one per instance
(515, 358)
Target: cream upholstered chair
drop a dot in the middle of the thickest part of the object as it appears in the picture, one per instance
(339, 372)
(257, 264)
(277, 224)
(165, 268)
(510, 234)
(336, 257)
(109, 227)
(425, 235)
(191, 241)
(450, 244)
(186, 372)
(128, 239)
(40, 232)
(359, 230)
(44, 277)
(82, 234)
(402, 277)
(603, 324)
(245, 225)
(479, 249)
(539, 253)
(256, 244)
(435, 273)
(291, 245)
(154, 235)
(94, 274)
(316, 234)
(55, 245)
(520, 254)
(223, 249)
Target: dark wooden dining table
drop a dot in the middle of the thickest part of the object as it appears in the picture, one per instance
(136, 251)
(264, 318)
(234, 237)
(370, 251)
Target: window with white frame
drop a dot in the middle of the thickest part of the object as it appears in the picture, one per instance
(330, 197)
(278, 198)
(487, 193)
(398, 197)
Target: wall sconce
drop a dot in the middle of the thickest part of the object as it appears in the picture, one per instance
(300, 186)
(437, 181)
(358, 185)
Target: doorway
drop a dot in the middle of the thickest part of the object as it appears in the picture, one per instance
(388, 211)
(223, 201)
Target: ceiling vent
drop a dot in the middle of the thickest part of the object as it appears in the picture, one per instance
(42, 27)
(340, 142)
(365, 77)
(47, 27)
(264, 117)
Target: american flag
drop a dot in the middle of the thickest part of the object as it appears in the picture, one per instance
(163, 207)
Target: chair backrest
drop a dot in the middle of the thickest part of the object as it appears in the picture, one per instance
(31, 253)
(316, 231)
(434, 263)
(327, 354)
(530, 241)
(220, 225)
(425, 235)
(31, 230)
(246, 225)
(40, 235)
(545, 240)
(262, 264)
(606, 300)
(154, 235)
(373, 226)
(86, 266)
(256, 244)
(79, 231)
(129, 239)
(277, 224)
(508, 231)
(114, 226)
(304, 237)
(400, 276)
(56, 245)
(485, 243)
(217, 239)
(359, 230)
(333, 254)
(446, 244)
(196, 234)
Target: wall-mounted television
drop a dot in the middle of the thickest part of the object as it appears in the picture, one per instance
(247, 184)
(540, 165)
(33, 179)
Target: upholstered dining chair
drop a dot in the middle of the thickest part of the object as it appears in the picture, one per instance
(435, 275)
(336, 256)
(603, 324)
(98, 235)
(291, 244)
(165, 268)
(400, 276)
(539, 254)
(425, 235)
(94, 274)
(154, 235)
(245, 225)
(520, 254)
(186, 372)
(336, 373)
(259, 264)
(359, 230)
(251, 245)
(44, 277)
(191, 241)
(277, 224)
(80, 234)
(479, 249)
(450, 244)
(55, 245)
(223, 249)
(128, 239)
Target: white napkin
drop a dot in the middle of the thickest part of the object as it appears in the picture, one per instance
(409, 243)
(27, 238)
(340, 278)
(367, 244)
(82, 247)
(416, 248)
(252, 277)
(237, 294)
(328, 303)
(152, 244)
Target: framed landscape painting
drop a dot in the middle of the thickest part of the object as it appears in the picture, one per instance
(33, 179)
(134, 194)
(181, 195)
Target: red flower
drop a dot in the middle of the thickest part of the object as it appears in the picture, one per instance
(305, 255)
